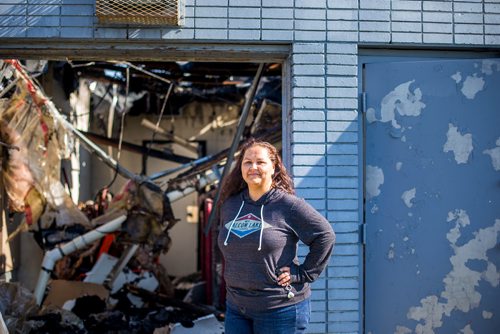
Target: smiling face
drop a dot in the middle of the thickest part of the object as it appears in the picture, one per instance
(257, 168)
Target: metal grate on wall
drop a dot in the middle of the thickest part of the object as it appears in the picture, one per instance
(138, 12)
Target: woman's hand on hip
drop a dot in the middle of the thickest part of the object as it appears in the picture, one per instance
(284, 278)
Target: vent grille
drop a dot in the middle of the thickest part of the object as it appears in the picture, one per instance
(138, 12)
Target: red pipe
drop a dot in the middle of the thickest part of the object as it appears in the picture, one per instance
(206, 253)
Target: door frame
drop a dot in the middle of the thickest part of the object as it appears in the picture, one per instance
(162, 51)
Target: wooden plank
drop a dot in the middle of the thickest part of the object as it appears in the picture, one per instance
(61, 49)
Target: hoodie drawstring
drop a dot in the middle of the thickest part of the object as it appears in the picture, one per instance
(261, 226)
(232, 223)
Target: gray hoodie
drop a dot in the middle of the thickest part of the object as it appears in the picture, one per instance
(258, 237)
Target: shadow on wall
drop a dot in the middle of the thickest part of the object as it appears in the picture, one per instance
(44, 19)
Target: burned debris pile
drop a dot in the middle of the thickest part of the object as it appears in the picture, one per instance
(90, 313)
(101, 271)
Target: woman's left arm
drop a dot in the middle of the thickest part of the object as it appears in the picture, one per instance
(317, 233)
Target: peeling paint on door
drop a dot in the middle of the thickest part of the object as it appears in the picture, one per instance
(402, 330)
(391, 253)
(487, 315)
(462, 219)
(467, 330)
(475, 83)
(457, 77)
(374, 179)
(460, 292)
(494, 153)
(370, 115)
(472, 85)
(488, 66)
(408, 196)
(460, 145)
(444, 262)
(402, 100)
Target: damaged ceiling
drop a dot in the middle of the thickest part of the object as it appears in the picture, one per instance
(147, 83)
(115, 241)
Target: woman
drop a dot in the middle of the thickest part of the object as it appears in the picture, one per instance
(261, 223)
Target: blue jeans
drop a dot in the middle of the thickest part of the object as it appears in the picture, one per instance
(283, 320)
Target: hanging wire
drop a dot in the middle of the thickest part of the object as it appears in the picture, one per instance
(140, 69)
(172, 121)
(157, 125)
(122, 122)
(98, 103)
(122, 126)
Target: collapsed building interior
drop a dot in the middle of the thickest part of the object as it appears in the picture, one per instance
(109, 175)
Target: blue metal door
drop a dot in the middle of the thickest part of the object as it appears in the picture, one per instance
(432, 197)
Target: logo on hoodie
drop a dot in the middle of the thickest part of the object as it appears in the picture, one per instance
(246, 225)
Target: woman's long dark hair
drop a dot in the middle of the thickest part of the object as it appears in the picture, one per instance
(234, 182)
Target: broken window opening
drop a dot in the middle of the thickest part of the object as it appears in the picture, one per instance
(166, 128)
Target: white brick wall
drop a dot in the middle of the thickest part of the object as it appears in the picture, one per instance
(370, 21)
(325, 137)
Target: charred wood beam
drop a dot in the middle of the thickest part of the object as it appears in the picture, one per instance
(142, 51)
(138, 149)
(236, 140)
